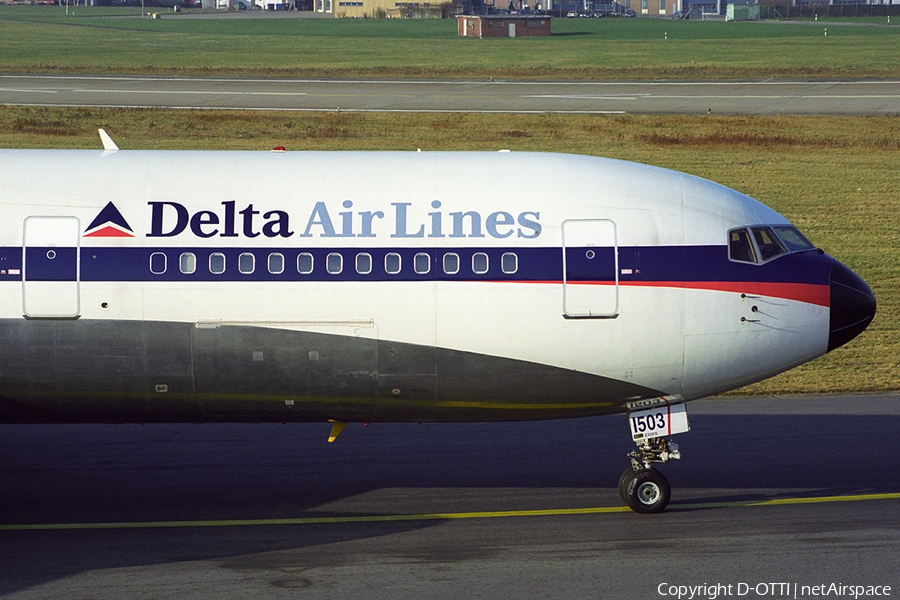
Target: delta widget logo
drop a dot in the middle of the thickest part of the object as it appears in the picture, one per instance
(109, 223)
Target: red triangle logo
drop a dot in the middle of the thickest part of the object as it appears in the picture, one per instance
(109, 231)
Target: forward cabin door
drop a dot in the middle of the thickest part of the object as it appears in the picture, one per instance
(50, 268)
(590, 269)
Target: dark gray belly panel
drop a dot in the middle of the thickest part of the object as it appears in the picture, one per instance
(132, 371)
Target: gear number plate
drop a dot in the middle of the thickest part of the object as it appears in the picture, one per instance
(658, 422)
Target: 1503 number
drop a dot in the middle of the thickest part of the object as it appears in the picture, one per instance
(659, 421)
(647, 423)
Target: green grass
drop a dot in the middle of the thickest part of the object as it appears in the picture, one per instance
(44, 39)
(834, 177)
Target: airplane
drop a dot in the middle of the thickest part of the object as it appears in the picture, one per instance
(272, 286)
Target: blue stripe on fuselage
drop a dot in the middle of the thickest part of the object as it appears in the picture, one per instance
(640, 264)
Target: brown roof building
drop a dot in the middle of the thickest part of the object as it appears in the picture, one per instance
(503, 26)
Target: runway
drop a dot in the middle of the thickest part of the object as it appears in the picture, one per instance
(770, 97)
(800, 491)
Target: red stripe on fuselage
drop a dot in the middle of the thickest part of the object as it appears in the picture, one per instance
(811, 293)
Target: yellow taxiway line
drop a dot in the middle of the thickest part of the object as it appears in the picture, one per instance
(431, 516)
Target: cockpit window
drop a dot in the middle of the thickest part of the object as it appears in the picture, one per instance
(762, 243)
(793, 239)
(740, 248)
(769, 245)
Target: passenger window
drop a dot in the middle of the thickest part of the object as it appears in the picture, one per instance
(157, 263)
(216, 263)
(276, 263)
(334, 263)
(793, 239)
(187, 263)
(246, 263)
(740, 248)
(509, 262)
(479, 263)
(451, 263)
(422, 263)
(304, 263)
(363, 263)
(769, 245)
(392, 263)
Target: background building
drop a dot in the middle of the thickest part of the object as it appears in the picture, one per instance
(503, 25)
(387, 9)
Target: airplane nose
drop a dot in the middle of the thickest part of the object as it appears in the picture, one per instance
(852, 306)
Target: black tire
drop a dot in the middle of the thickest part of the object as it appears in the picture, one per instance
(647, 491)
(623, 483)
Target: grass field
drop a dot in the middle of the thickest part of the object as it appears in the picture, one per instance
(836, 178)
(107, 40)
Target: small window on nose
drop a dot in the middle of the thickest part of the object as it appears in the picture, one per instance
(768, 243)
(740, 248)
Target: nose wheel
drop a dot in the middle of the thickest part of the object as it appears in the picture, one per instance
(645, 490)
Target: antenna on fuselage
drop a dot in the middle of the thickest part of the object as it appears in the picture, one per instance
(108, 144)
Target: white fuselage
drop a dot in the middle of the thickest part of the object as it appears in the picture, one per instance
(384, 286)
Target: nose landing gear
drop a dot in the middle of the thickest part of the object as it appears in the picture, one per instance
(644, 489)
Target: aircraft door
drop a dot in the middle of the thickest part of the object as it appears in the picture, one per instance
(590, 269)
(50, 267)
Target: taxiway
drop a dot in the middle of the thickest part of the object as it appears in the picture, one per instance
(799, 490)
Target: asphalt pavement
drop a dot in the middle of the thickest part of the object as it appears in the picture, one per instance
(769, 97)
(800, 491)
